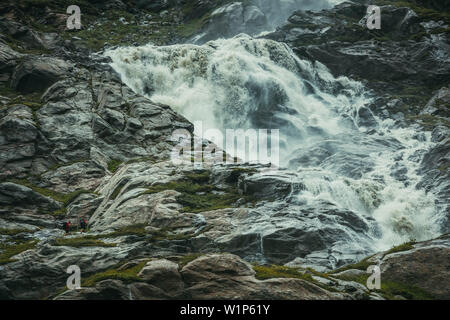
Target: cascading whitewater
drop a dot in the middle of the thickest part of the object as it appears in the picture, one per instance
(243, 83)
(341, 152)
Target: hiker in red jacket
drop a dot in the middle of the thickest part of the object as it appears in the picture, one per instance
(83, 224)
(66, 227)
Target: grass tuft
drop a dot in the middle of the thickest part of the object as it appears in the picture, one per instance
(82, 242)
(403, 247)
(9, 250)
(199, 196)
(113, 165)
(128, 275)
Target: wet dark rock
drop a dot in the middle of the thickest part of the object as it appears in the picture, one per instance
(426, 267)
(440, 133)
(13, 194)
(305, 158)
(284, 245)
(228, 277)
(164, 275)
(9, 58)
(216, 276)
(399, 172)
(439, 104)
(435, 168)
(269, 186)
(365, 118)
(349, 165)
(348, 48)
(37, 74)
(18, 126)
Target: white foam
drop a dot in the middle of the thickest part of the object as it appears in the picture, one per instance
(228, 83)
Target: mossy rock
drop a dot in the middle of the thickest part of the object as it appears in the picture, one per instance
(128, 275)
(114, 164)
(7, 251)
(82, 242)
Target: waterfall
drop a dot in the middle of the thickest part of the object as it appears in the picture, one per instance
(340, 151)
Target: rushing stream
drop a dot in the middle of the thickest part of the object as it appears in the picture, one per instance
(345, 157)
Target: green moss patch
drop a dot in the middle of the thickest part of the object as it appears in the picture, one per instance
(113, 165)
(428, 122)
(390, 290)
(362, 265)
(197, 195)
(65, 198)
(9, 250)
(360, 278)
(184, 260)
(403, 247)
(128, 275)
(66, 164)
(31, 100)
(274, 271)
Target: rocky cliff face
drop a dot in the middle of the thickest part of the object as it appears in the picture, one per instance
(75, 141)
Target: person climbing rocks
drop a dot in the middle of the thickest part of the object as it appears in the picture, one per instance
(83, 224)
(66, 226)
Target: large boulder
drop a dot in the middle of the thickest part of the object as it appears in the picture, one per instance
(37, 74)
(425, 267)
(226, 276)
(269, 185)
(18, 126)
(9, 58)
(41, 272)
(164, 275)
(18, 136)
(104, 290)
(13, 194)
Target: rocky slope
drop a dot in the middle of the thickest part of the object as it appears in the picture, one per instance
(406, 64)
(76, 141)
